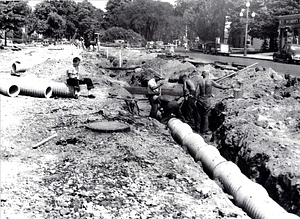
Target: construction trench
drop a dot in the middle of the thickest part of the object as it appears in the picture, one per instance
(256, 132)
(234, 145)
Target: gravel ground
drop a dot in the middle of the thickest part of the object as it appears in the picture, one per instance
(80, 173)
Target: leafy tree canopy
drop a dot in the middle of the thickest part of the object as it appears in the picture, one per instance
(119, 33)
(13, 14)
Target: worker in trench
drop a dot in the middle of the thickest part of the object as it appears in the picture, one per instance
(74, 79)
(153, 91)
(189, 93)
(203, 102)
(169, 107)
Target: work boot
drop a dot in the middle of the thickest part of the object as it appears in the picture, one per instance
(90, 95)
(76, 94)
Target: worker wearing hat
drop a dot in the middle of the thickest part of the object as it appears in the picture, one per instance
(154, 91)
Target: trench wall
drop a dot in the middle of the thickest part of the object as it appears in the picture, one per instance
(236, 145)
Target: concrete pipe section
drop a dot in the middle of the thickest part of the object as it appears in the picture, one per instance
(9, 88)
(34, 87)
(60, 89)
(250, 196)
(20, 67)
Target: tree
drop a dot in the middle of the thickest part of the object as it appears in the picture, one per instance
(205, 19)
(119, 33)
(46, 14)
(112, 12)
(58, 18)
(152, 19)
(269, 18)
(13, 15)
(31, 24)
(266, 19)
(89, 20)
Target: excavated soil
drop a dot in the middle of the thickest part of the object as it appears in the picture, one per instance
(142, 173)
(260, 133)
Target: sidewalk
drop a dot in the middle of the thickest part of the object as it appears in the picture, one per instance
(261, 56)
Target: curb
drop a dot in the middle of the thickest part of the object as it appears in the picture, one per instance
(248, 57)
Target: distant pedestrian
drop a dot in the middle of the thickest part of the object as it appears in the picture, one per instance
(75, 80)
(153, 92)
(204, 95)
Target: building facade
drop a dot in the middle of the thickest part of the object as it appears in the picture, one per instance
(289, 29)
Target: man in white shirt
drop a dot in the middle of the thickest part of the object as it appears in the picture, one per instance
(153, 92)
(74, 79)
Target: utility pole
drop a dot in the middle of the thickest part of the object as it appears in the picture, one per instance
(247, 23)
(186, 39)
(246, 29)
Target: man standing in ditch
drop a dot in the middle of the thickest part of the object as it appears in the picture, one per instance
(75, 80)
(189, 94)
(204, 94)
(153, 92)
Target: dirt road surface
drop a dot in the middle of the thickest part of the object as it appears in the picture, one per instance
(142, 173)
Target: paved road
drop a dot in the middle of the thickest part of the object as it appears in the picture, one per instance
(282, 68)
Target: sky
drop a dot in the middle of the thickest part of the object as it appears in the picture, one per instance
(97, 3)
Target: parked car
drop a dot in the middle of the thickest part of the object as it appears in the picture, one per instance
(158, 45)
(216, 48)
(197, 47)
(150, 45)
(289, 53)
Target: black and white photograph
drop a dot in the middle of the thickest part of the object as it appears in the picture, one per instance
(150, 109)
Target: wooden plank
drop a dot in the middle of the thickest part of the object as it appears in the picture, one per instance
(227, 76)
(164, 91)
(122, 68)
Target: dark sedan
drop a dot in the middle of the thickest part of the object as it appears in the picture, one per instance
(289, 53)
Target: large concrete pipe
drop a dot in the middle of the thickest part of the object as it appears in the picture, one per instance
(60, 89)
(35, 87)
(180, 129)
(21, 66)
(36, 90)
(9, 88)
(194, 143)
(250, 196)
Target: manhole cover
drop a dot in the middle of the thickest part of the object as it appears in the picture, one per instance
(108, 127)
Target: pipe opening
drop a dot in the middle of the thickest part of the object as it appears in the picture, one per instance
(13, 91)
(14, 67)
(48, 92)
(19, 67)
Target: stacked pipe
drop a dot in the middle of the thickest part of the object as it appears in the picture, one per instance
(20, 67)
(250, 196)
(9, 88)
(34, 87)
(60, 89)
(29, 86)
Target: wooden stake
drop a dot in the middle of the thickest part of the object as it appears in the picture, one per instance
(44, 141)
(120, 58)
(227, 76)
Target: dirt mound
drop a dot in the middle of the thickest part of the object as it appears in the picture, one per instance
(260, 134)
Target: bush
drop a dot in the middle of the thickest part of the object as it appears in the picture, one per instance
(118, 33)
